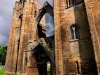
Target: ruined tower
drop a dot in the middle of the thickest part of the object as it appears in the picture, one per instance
(73, 49)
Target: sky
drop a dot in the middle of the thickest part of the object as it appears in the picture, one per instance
(6, 9)
(42, 1)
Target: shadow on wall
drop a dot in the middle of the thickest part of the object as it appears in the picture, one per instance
(88, 62)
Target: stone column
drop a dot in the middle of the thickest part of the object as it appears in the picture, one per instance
(58, 42)
(8, 64)
(28, 32)
(25, 33)
(11, 59)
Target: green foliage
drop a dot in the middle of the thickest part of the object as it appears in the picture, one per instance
(3, 51)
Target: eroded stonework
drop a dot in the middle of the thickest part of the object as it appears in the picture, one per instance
(74, 49)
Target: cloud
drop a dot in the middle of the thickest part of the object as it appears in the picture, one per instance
(50, 1)
(6, 8)
(3, 39)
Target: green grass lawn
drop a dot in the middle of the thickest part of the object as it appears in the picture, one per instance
(1, 70)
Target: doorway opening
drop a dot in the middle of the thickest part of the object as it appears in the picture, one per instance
(44, 60)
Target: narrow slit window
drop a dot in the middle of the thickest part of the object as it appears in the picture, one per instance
(78, 68)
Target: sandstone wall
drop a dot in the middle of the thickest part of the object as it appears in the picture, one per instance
(93, 12)
(14, 37)
(77, 50)
(72, 56)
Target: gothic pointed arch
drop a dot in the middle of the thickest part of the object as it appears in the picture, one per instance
(47, 8)
(40, 50)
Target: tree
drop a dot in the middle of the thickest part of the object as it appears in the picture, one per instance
(3, 51)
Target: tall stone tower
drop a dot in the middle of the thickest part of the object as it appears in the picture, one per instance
(74, 47)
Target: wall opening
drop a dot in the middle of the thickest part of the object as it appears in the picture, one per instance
(45, 29)
(78, 67)
(46, 25)
(43, 61)
(74, 31)
(71, 3)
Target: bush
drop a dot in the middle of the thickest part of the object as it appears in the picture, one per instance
(3, 51)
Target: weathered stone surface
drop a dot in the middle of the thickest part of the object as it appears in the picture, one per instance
(73, 56)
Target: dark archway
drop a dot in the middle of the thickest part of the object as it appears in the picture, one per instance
(42, 56)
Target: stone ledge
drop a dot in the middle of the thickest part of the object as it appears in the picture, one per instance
(74, 40)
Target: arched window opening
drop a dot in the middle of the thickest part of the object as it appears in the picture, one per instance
(46, 29)
(71, 3)
(74, 31)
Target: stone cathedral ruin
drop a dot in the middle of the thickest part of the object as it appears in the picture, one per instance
(58, 39)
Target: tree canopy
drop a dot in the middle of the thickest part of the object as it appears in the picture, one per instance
(3, 51)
